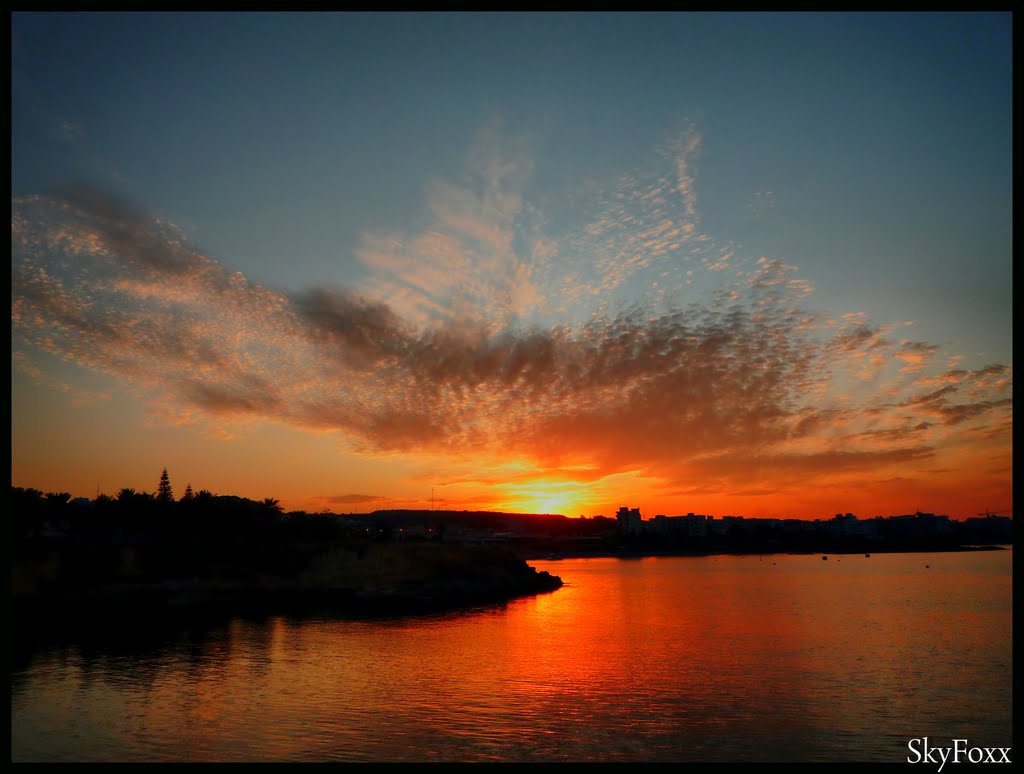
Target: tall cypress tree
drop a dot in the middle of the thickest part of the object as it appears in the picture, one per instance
(164, 493)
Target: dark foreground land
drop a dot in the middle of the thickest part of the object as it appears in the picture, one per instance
(137, 556)
(362, 580)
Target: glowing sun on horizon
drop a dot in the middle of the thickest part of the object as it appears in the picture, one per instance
(546, 499)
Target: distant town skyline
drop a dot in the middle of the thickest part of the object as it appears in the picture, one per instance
(755, 264)
(165, 492)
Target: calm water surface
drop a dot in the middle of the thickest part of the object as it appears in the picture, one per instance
(727, 658)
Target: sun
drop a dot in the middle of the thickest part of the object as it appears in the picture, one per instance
(545, 498)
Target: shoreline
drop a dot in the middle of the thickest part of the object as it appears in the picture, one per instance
(388, 581)
(393, 580)
(181, 598)
(556, 555)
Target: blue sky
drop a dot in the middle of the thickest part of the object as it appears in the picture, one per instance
(536, 170)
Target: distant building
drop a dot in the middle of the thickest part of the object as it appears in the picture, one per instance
(934, 525)
(844, 524)
(629, 520)
(989, 529)
(690, 525)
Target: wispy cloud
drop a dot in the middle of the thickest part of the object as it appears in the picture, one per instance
(465, 265)
(447, 349)
(353, 499)
(915, 354)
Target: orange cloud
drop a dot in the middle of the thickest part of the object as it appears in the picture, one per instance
(752, 392)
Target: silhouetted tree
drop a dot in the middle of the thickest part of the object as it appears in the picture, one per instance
(105, 510)
(188, 492)
(273, 504)
(164, 493)
(57, 507)
(57, 500)
(133, 504)
(28, 511)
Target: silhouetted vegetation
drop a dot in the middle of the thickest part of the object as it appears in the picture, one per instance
(141, 549)
(164, 494)
(149, 537)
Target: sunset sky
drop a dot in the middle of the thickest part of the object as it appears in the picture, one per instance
(751, 264)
